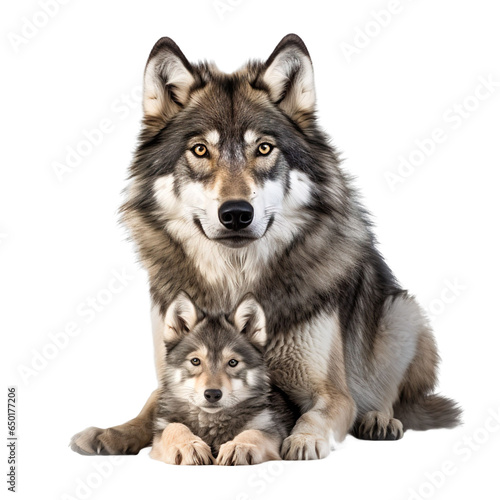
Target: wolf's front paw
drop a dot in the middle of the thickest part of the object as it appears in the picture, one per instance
(177, 445)
(301, 446)
(248, 448)
(195, 452)
(236, 453)
(113, 441)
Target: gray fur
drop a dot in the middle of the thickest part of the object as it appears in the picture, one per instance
(429, 412)
(215, 334)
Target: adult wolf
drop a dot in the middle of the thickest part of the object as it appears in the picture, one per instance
(234, 190)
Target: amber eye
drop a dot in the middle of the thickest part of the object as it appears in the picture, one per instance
(264, 149)
(200, 150)
(232, 363)
(195, 361)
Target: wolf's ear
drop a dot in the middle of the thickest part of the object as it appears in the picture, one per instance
(289, 77)
(249, 319)
(181, 317)
(168, 78)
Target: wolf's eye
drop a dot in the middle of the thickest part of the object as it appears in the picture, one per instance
(264, 149)
(200, 150)
(232, 363)
(195, 361)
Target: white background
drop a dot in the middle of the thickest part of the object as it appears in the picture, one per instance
(60, 242)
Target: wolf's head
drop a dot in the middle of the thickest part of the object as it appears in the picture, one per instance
(231, 161)
(214, 362)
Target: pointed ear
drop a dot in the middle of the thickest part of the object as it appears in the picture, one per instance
(289, 78)
(168, 78)
(181, 317)
(249, 319)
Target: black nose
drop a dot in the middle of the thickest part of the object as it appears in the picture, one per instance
(236, 215)
(213, 395)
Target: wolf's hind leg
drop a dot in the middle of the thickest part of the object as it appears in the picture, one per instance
(417, 406)
(403, 350)
(125, 439)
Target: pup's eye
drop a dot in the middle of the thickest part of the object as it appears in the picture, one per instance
(195, 361)
(232, 363)
(200, 150)
(264, 149)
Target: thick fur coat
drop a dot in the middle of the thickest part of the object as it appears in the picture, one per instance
(350, 347)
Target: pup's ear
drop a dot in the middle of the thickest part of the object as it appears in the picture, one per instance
(289, 78)
(181, 317)
(168, 78)
(249, 319)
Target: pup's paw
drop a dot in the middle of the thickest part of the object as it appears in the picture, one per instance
(377, 426)
(112, 441)
(237, 453)
(195, 452)
(301, 446)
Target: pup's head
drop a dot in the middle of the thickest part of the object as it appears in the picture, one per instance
(215, 362)
(229, 159)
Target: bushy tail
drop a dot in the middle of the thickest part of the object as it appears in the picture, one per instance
(429, 412)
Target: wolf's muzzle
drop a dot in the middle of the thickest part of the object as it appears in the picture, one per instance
(236, 215)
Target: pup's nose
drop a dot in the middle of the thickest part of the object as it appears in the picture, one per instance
(213, 395)
(236, 214)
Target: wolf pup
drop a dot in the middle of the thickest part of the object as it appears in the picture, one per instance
(216, 399)
(235, 189)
